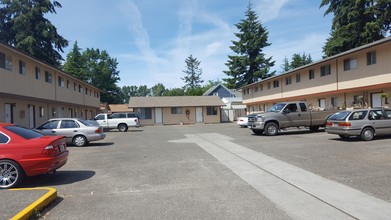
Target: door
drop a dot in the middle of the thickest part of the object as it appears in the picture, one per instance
(225, 115)
(376, 100)
(292, 116)
(322, 103)
(158, 116)
(9, 116)
(31, 116)
(199, 115)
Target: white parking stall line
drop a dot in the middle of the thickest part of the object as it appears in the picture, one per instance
(301, 194)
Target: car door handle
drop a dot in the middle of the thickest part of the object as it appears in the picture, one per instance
(74, 130)
(53, 131)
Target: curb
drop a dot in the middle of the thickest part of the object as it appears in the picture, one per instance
(38, 205)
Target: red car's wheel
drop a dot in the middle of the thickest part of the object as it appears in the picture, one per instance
(10, 174)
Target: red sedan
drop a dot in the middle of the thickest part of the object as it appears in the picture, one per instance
(24, 152)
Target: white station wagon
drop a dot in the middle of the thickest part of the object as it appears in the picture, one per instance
(364, 123)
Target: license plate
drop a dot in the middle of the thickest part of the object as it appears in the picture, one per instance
(62, 148)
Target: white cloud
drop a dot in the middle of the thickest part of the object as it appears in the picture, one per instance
(268, 10)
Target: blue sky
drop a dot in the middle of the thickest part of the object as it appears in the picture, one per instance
(151, 39)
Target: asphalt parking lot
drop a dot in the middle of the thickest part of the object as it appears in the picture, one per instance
(215, 171)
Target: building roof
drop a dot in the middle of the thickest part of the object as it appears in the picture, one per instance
(212, 89)
(120, 108)
(366, 46)
(174, 101)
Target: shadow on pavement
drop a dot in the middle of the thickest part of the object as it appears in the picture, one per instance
(58, 178)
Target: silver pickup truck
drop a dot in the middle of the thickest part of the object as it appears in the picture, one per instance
(287, 114)
(120, 121)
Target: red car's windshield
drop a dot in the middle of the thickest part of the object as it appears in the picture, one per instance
(23, 132)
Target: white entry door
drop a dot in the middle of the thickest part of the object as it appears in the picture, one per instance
(376, 100)
(322, 103)
(158, 116)
(199, 116)
(8, 113)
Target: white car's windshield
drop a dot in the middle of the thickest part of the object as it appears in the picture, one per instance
(276, 107)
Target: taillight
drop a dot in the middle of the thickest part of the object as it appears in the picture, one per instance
(344, 124)
(98, 131)
(50, 150)
(329, 123)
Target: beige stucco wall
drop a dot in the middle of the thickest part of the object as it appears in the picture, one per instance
(24, 90)
(340, 84)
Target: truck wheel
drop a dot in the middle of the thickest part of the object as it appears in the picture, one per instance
(314, 128)
(367, 134)
(271, 129)
(11, 174)
(122, 127)
(257, 131)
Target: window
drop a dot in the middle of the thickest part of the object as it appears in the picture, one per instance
(37, 73)
(5, 62)
(311, 74)
(357, 99)
(276, 83)
(60, 81)
(334, 102)
(68, 124)
(74, 86)
(359, 115)
(22, 67)
(349, 64)
(376, 115)
(325, 70)
(298, 79)
(256, 89)
(144, 113)
(41, 112)
(86, 91)
(48, 77)
(24, 132)
(68, 84)
(49, 125)
(176, 110)
(288, 81)
(80, 88)
(268, 85)
(291, 107)
(261, 87)
(371, 58)
(118, 115)
(211, 110)
(303, 107)
(4, 138)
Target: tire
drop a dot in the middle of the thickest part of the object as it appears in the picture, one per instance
(271, 129)
(344, 136)
(122, 127)
(11, 174)
(314, 128)
(257, 131)
(367, 134)
(79, 141)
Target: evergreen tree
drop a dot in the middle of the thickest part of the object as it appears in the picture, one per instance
(158, 90)
(98, 69)
(193, 73)
(74, 63)
(285, 66)
(300, 60)
(250, 64)
(23, 25)
(356, 23)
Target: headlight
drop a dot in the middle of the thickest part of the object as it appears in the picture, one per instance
(259, 119)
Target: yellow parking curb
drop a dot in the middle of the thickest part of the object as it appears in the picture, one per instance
(37, 205)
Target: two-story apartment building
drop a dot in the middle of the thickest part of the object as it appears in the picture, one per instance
(32, 92)
(358, 78)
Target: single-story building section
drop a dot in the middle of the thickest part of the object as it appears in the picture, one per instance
(170, 110)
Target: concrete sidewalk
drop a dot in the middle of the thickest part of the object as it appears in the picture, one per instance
(24, 202)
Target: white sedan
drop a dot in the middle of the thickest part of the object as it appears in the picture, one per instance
(242, 121)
